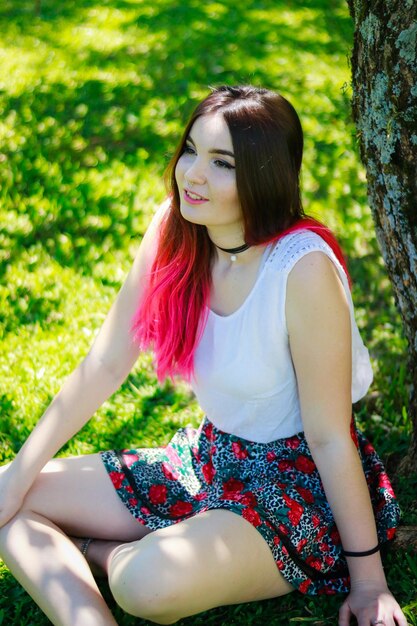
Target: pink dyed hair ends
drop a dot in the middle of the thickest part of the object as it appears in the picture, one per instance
(172, 314)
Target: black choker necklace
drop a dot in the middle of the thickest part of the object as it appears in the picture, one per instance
(235, 251)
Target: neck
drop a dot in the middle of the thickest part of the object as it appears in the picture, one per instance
(233, 252)
(240, 259)
(229, 243)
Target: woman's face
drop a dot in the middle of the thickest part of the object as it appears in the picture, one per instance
(206, 178)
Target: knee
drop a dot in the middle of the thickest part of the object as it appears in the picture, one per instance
(143, 587)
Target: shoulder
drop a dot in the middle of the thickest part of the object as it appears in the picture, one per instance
(310, 263)
(314, 268)
(315, 292)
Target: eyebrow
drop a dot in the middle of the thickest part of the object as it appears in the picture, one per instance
(213, 150)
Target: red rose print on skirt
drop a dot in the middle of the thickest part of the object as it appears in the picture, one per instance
(322, 532)
(304, 464)
(313, 562)
(169, 471)
(239, 450)
(208, 472)
(285, 465)
(117, 479)
(201, 496)
(306, 494)
(129, 458)
(354, 434)
(327, 590)
(232, 489)
(296, 510)
(384, 483)
(301, 544)
(316, 520)
(305, 585)
(158, 494)
(294, 515)
(181, 508)
(252, 516)
(208, 431)
(368, 448)
(249, 499)
(293, 442)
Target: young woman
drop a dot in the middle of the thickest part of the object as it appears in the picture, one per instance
(241, 293)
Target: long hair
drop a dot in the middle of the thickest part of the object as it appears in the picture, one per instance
(267, 142)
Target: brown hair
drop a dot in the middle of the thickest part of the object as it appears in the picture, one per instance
(268, 146)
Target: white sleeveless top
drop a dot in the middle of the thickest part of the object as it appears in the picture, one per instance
(244, 377)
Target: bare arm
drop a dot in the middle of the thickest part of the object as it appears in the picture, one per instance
(99, 375)
(318, 321)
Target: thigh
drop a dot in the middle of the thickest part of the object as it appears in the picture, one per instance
(77, 494)
(213, 559)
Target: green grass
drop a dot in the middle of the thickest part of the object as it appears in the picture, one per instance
(93, 96)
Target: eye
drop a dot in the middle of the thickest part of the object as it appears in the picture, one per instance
(224, 164)
(188, 149)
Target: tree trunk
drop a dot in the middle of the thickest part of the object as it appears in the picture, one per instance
(384, 75)
(406, 538)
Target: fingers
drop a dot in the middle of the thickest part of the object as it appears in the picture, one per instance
(400, 618)
(344, 614)
(382, 616)
(397, 619)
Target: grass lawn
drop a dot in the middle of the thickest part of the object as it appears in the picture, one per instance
(93, 96)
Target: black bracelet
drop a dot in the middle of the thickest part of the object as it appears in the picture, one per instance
(365, 553)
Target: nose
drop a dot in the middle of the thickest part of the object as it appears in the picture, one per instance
(195, 174)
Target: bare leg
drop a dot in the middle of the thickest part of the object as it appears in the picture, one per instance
(70, 496)
(213, 559)
(98, 553)
(53, 572)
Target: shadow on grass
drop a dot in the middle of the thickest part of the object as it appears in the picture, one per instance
(56, 183)
(95, 124)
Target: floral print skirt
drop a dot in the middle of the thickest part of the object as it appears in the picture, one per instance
(275, 486)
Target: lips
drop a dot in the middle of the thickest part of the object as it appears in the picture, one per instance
(194, 198)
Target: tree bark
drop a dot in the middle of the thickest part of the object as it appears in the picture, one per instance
(384, 76)
(406, 538)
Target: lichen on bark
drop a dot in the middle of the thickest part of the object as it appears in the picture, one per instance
(384, 74)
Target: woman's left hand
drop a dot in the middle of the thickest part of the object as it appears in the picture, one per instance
(373, 605)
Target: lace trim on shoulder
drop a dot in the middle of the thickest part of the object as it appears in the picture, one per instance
(293, 246)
